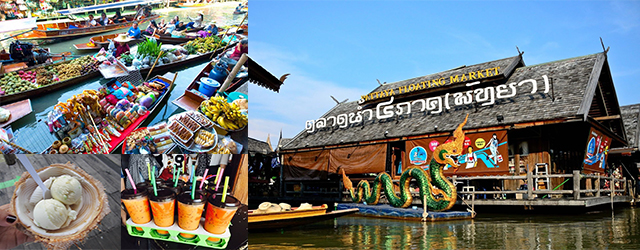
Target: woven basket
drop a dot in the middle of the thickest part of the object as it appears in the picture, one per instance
(91, 210)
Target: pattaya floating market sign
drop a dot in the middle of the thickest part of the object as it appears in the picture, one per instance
(434, 105)
(432, 83)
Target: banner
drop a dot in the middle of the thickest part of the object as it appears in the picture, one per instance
(483, 154)
(359, 159)
(595, 158)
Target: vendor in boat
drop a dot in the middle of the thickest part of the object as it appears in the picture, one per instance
(241, 48)
(212, 29)
(196, 22)
(121, 44)
(118, 18)
(104, 20)
(91, 22)
(134, 31)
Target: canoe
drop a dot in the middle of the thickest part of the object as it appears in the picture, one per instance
(46, 89)
(102, 42)
(295, 217)
(116, 142)
(71, 29)
(10, 65)
(165, 39)
(18, 110)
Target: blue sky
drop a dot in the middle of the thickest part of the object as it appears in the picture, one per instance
(340, 48)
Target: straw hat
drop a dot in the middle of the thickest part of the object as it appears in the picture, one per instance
(89, 213)
(122, 38)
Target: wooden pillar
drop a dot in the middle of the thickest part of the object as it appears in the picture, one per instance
(530, 185)
(576, 184)
(241, 182)
(598, 186)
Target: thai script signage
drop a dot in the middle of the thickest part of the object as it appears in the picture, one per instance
(434, 105)
(432, 83)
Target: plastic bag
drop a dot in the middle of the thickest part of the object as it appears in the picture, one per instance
(4, 115)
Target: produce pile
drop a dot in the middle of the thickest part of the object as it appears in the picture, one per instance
(228, 116)
(20, 81)
(148, 51)
(204, 45)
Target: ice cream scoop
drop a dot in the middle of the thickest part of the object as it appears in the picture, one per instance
(67, 190)
(51, 214)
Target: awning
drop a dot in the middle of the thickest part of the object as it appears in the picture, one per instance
(262, 77)
(18, 24)
(108, 6)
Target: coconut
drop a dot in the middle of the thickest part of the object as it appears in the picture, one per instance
(89, 214)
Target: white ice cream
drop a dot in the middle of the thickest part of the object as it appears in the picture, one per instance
(51, 214)
(67, 190)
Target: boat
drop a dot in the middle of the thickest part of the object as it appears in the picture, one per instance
(70, 29)
(116, 142)
(167, 39)
(9, 65)
(192, 5)
(294, 217)
(191, 98)
(48, 88)
(18, 110)
(101, 42)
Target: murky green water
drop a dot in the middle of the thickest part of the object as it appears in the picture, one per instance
(33, 134)
(597, 230)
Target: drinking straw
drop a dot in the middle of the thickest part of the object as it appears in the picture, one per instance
(193, 184)
(217, 178)
(224, 191)
(135, 191)
(177, 178)
(153, 180)
(218, 184)
(174, 173)
(204, 177)
(149, 170)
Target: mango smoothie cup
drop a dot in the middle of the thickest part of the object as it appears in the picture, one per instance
(190, 211)
(219, 214)
(163, 207)
(137, 205)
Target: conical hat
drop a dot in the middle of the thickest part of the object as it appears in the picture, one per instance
(122, 38)
(90, 212)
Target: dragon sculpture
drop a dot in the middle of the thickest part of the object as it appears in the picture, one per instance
(440, 193)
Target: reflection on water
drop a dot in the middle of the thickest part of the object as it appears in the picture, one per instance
(488, 231)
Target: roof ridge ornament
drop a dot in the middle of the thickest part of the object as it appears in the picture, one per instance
(603, 49)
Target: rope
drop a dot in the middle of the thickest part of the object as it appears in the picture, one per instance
(468, 206)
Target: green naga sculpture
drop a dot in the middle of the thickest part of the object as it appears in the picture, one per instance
(440, 193)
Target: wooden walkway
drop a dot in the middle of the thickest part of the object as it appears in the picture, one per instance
(105, 168)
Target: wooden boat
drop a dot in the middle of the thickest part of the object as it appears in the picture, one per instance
(101, 42)
(18, 110)
(191, 98)
(70, 29)
(166, 39)
(192, 5)
(10, 65)
(46, 89)
(295, 217)
(116, 142)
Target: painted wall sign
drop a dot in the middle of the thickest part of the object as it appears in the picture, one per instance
(418, 156)
(595, 159)
(434, 105)
(432, 83)
(488, 159)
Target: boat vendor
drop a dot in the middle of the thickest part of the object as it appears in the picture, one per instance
(241, 48)
(197, 21)
(91, 22)
(134, 31)
(118, 18)
(210, 30)
(121, 44)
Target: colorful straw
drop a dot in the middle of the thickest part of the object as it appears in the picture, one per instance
(218, 184)
(224, 191)
(177, 178)
(135, 191)
(149, 170)
(204, 177)
(193, 184)
(153, 181)
(217, 178)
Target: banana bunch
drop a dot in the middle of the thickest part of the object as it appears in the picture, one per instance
(228, 116)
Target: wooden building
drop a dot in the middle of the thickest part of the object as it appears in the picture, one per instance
(553, 117)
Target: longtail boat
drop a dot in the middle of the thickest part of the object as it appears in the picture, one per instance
(295, 217)
(99, 42)
(116, 142)
(71, 29)
(18, 110)
(191, 35)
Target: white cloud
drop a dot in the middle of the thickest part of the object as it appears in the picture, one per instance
(301, 97)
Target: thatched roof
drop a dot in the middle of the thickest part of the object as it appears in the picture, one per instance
(572, 81)
(257, 146)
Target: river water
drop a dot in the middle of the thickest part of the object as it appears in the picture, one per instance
(594, 230)
(33, 134)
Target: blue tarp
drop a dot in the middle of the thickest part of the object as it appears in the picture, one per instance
(108, 6)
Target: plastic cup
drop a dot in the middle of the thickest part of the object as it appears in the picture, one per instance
(137, 205)
(219, 213)
(163, 208)
(190, 211)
